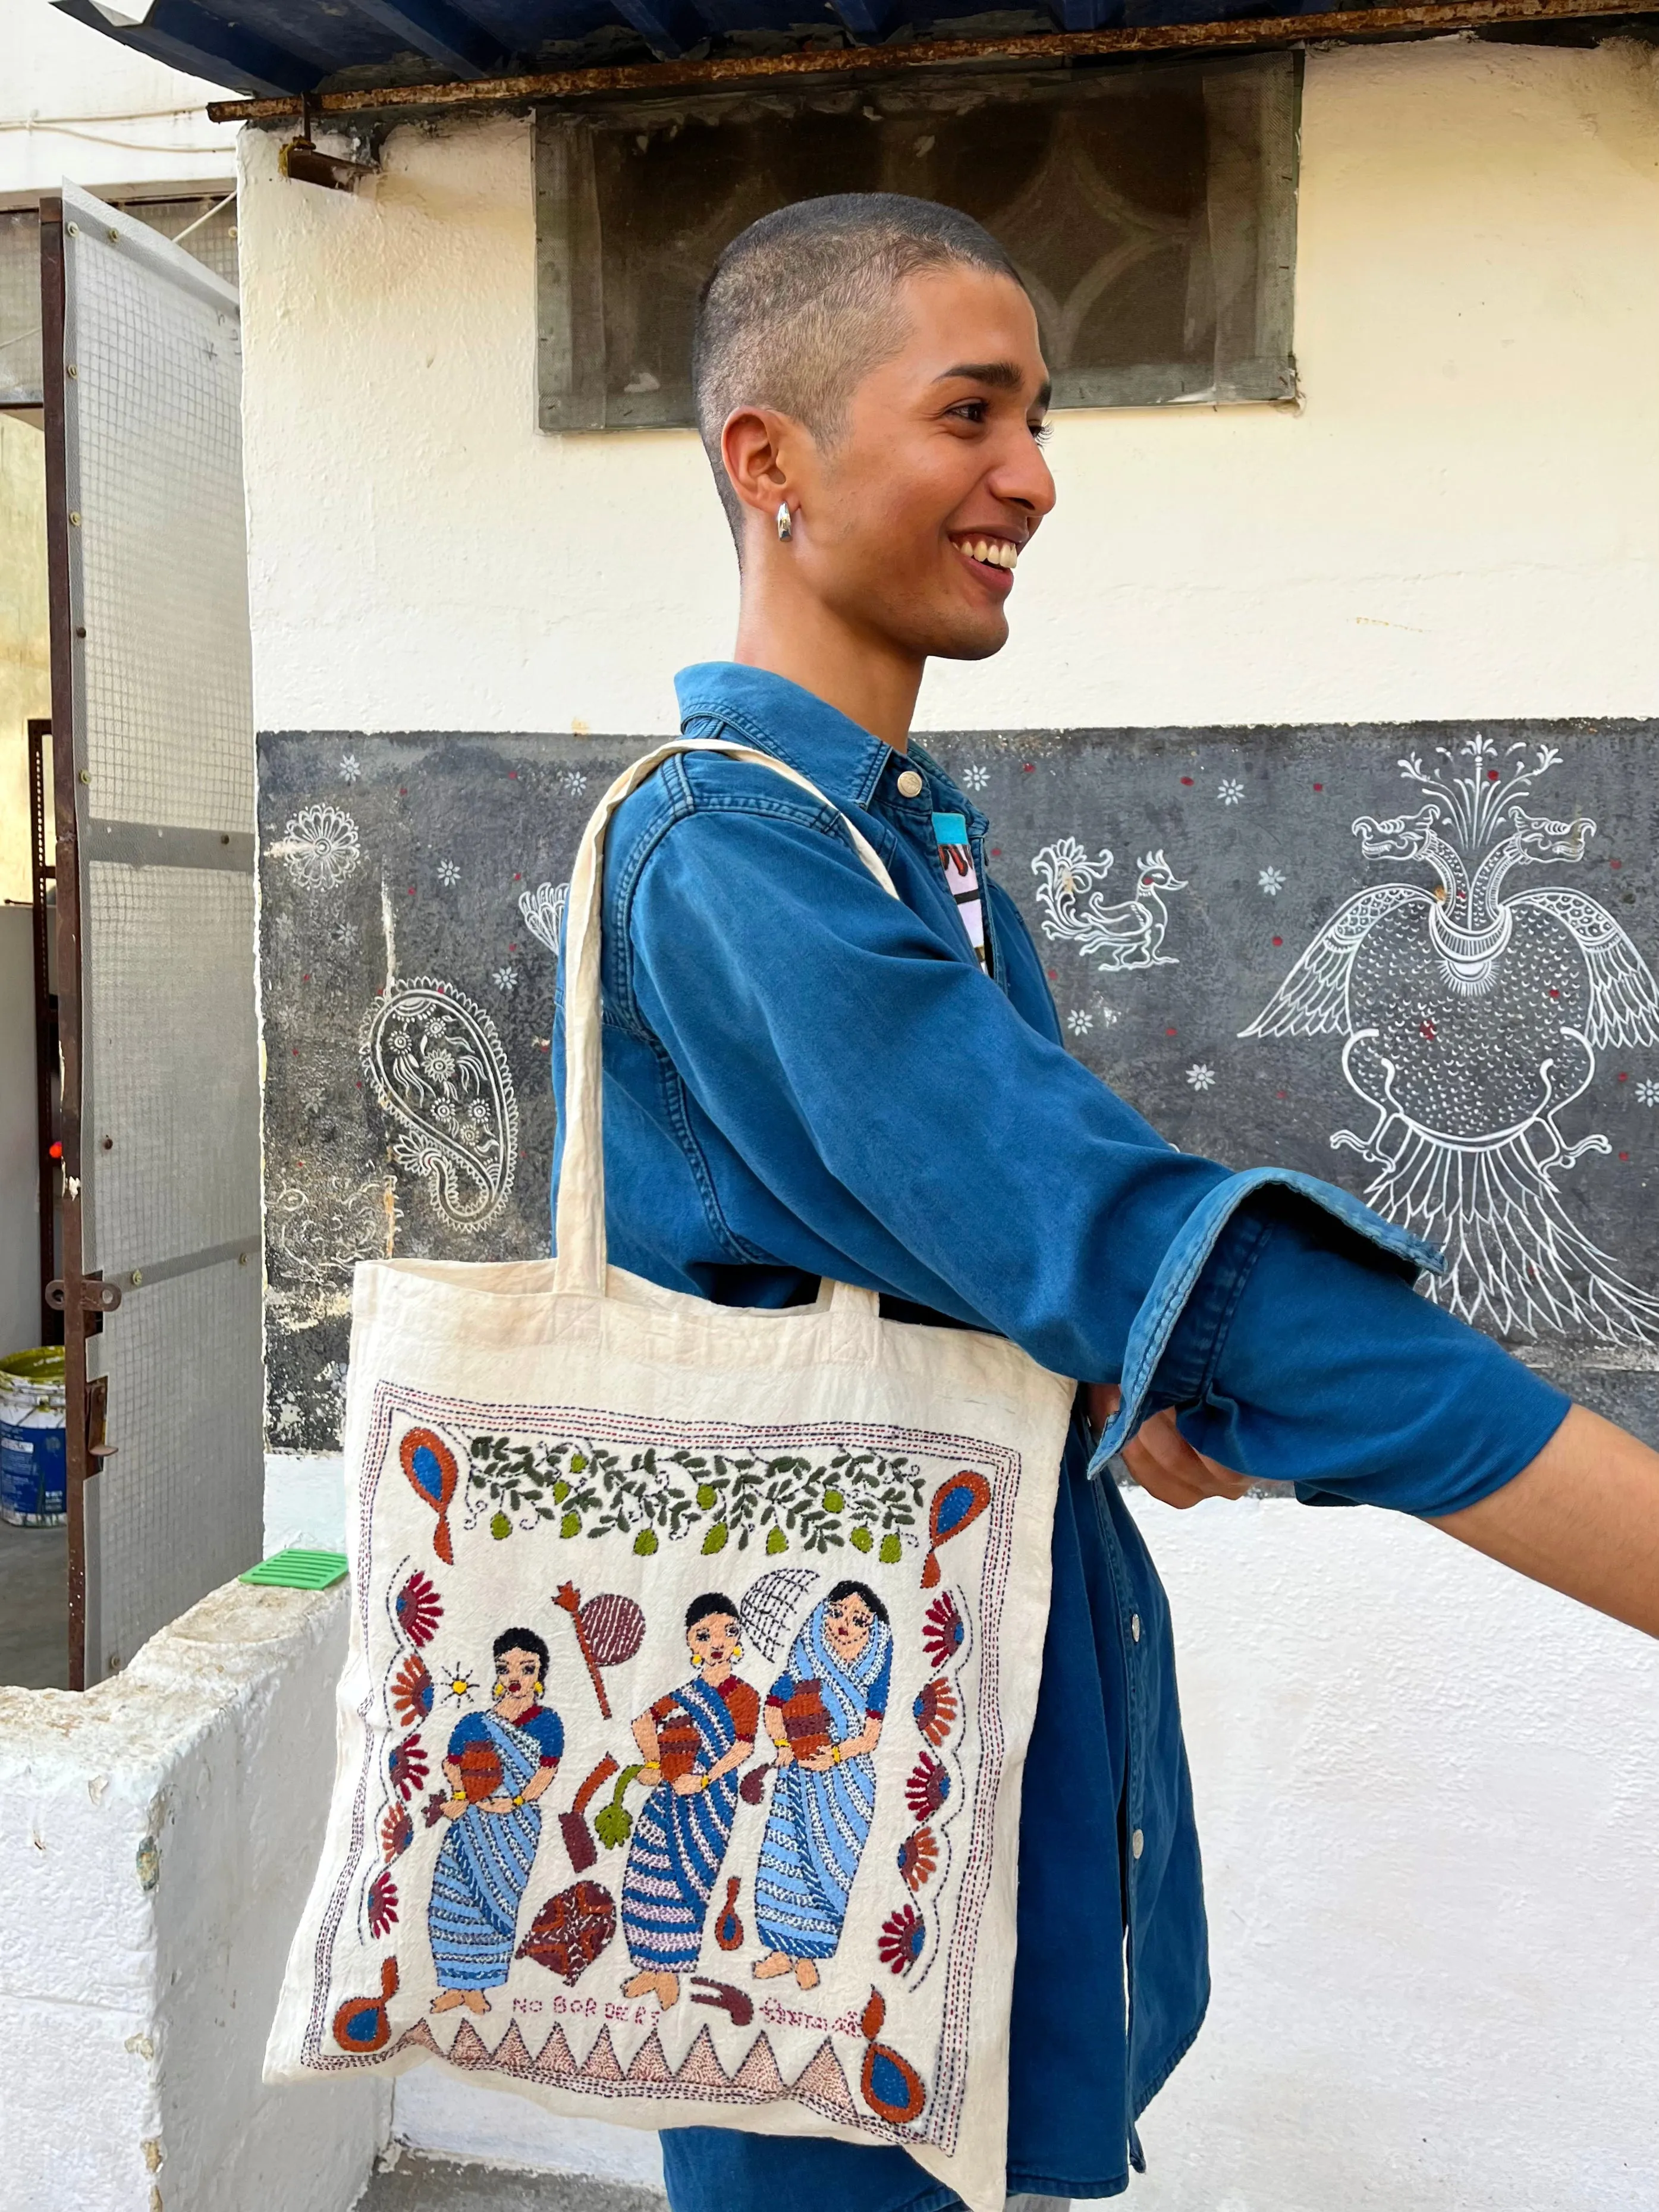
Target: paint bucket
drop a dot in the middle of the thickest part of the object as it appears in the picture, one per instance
(31, 1484)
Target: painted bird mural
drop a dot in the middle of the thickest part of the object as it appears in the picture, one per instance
(1472, 1019)
(1130, 934)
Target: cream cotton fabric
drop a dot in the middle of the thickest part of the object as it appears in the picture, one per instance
(567, 1451)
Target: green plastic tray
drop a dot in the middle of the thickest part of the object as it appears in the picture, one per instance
(298, 1570)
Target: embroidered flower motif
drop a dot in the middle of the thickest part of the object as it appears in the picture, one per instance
(396, 1833)
(936, 1710)
(942, 1632)
(411, 1692)
(505, 979)
(350, 770)
(448, 874)
(382, 1904)
(927, 1787)
(320, 846)
(1080, 1024)
(1271, 881)
(418, 1610)
(406, 1768)
(918, 1858)
(1200, 1077)
(902, 1936)
(460, 1686)
(975, 778)
(1229, 790)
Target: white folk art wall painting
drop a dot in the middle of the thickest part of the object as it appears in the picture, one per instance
(1477, 987)
(1471, 1014)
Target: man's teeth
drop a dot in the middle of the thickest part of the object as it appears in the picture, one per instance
(996, 552)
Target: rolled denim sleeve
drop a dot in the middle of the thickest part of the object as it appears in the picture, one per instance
(1292, 1362)
(899, 1107)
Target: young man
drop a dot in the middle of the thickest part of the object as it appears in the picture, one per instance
(806, 1077)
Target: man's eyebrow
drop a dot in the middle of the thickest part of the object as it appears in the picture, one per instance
(1000, 375)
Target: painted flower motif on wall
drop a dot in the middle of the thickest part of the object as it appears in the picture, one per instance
(1271, 881)
(320, 848)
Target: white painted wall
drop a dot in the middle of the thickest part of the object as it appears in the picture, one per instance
(1429, 1791)
(1463, 522)
(75, 104)
(157, 1838)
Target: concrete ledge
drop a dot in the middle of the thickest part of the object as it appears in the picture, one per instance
(157, 1836)
(419, 2183)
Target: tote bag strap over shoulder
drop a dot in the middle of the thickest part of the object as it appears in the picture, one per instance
(580, 1223)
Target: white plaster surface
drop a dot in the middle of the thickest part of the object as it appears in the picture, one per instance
(157, 1836)
(305, 1502)
(1428, 1793)
(74, 103)
(1464, 519)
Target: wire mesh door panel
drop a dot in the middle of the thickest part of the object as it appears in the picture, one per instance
(158, 757)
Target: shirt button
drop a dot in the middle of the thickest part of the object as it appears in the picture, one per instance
(909, 784)
(1137, 1844)
(1134, 1627)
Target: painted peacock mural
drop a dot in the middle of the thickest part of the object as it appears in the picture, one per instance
(1472, 1019)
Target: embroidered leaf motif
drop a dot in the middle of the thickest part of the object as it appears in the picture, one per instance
(791, 1502)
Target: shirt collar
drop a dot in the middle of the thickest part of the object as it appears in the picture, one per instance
(844, 760)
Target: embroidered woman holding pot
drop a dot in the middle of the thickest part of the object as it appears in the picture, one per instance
(693, 1741)
(824, 1715)
(499, 1764)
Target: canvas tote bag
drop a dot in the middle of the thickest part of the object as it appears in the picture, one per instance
(758, 1871)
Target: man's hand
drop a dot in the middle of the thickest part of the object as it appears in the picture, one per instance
(1160, 1458)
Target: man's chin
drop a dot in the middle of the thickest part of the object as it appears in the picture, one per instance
(977, 640)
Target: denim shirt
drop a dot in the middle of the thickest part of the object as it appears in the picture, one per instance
(807, 1077)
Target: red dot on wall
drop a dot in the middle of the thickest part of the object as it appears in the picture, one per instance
(1168, 1032)
(1281, 1094)
(1624, 1155)
(1623, 1076)
(1187, 780)
(513, 775)
(996, 852)
(1053, 974)
(1029, 769)
(1615, 864)
(1279, 940)
(1491, 775)
(305, 979)
(1319, 786)
(403, 791)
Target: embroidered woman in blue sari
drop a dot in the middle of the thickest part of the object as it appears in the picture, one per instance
(824, 1716)
(693, 1743)
(499, 1764)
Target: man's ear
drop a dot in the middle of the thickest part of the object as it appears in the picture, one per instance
(757, 445)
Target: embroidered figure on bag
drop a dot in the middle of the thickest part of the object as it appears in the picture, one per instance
(693, 1741)
(498, 1764)
(824, 1716)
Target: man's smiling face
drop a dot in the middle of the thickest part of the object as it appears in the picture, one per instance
(916, 515)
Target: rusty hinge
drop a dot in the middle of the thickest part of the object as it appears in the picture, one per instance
(95, 1298)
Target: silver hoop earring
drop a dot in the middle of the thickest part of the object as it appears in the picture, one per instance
(785, 525)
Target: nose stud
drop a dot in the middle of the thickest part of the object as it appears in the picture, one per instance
(786, 526)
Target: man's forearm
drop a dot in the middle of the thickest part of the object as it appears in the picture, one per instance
(1583, 1517)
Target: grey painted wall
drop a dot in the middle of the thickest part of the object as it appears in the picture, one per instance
(1428, 941)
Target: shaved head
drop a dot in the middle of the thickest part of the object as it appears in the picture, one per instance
(800, 307)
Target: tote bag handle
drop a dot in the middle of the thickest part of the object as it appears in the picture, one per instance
(579, 1226)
